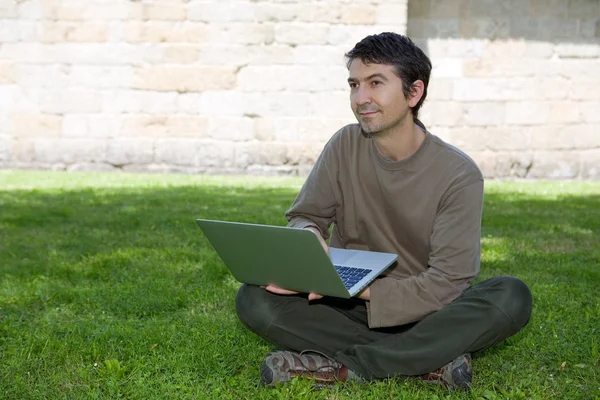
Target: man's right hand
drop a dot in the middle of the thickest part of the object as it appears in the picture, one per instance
(321, 240)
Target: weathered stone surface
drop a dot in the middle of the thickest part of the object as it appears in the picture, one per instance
(184, 78)
(297, 78)
(358, 14)
(554, 165)
(174, 125)
(164, 31)
(485, 113)
(36, 125)
(531, 113)
(61, 31)
(260, 86)
(69, 151)
(590, 161)
(6, 149)
(126, 151)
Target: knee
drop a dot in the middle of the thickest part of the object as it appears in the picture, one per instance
(516, 300)
(253, 307)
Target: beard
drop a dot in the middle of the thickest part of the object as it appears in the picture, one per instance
(382, 128)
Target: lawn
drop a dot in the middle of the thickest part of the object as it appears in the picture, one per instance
(109, 290)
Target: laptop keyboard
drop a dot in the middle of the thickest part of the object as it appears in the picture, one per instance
(351, 275)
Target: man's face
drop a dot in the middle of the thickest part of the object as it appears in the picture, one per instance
(376, 97)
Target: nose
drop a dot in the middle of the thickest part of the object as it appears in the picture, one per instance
(361, 96)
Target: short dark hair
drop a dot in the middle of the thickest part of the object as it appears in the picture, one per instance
(409, 61)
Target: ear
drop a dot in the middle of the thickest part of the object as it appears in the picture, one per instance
(416, 92)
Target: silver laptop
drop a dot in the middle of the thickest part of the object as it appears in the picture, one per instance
(292, 259)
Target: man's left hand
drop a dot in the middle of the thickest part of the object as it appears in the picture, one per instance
(278, 290)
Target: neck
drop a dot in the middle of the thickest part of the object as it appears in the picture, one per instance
(401, 141)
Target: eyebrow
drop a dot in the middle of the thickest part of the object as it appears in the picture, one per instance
(370, 77)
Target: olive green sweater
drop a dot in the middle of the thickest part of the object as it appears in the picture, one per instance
(426, 208)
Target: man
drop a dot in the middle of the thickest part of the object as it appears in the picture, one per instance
(387, 184)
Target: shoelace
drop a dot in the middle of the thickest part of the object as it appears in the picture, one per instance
(319, 353)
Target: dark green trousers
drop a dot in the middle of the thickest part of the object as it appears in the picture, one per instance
(482, 316)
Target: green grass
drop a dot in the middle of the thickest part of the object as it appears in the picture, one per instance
(109, 290)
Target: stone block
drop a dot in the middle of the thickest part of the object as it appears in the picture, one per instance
(69, 151)
(447, 68)
(7, 73)
(219, 12)
(259, 153)
(30, 10)
(102, 77)
(239, 55)
(97, 53)
(233, 129)
(319, 55)
(38, 76)
(174, 125)
(122, 101)
(28, 53)
(358, 14)
(6, 149)
(550, 8)
(36, 125)
(241, 33)
(164, 10)
(485, 113)
(554, 165)
(590, 112)
(556, 88)
(446, 9)
(57, 101)
(442, 113)
(577, 50)
(495, 89)
(440, 89)
(564, 112)
(331, 104)
(461, 48)
(213, 103)
(301, 33)
(19, 99)
(485, 27)
(320, 130)
(124, 151)
(284, 104)
(63, 31)
(346, 36)
(8, 9)
(590, 164)
(419, 9)
(300, 78)
(527, 113)
(91, 126)
(583, 89)
(425, 28)
(91, 167)
(565, 137)
(512, 165)
(583, 8)
(184, 78)
(165, 31)
(159, 102)
(194, 152)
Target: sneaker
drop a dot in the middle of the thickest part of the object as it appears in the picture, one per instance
(457, 374)
(282, 366)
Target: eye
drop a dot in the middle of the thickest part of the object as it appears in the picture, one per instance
(353, 85)
(376, 83)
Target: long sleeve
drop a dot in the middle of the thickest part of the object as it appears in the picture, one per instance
(453, 263)
(315, 204)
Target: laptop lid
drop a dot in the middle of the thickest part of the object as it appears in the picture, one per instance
(289, 258)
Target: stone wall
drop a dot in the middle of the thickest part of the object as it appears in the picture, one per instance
(259, 86)
(516, 83)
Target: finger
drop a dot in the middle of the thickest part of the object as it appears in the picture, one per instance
(278, 290)
(314, 296)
